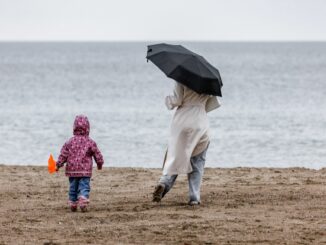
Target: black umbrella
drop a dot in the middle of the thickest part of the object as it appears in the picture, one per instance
(186, 67)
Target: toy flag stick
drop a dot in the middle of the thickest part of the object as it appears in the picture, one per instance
(51, 165)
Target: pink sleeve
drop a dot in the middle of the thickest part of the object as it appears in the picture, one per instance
(63, 155)
(97, 156)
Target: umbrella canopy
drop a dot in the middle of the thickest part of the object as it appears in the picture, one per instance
(186, 67)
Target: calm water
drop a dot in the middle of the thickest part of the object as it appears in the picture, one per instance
(273, 112)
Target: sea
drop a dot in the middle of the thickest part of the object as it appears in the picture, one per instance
(273, 111)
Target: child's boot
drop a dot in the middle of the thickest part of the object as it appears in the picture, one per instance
(83, 203)
(73, 206)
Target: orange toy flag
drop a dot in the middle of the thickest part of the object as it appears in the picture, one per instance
(51, 165)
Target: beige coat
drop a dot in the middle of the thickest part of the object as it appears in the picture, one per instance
(189, 133)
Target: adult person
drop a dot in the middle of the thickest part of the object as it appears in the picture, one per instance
(188, 142)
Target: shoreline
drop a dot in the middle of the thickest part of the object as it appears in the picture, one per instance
(154, 169)
(239, 205)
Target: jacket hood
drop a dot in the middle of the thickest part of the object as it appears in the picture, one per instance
(81, 125)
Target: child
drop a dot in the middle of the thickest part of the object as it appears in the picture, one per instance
(78, 152)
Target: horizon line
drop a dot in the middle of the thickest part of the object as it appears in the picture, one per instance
(156, 40)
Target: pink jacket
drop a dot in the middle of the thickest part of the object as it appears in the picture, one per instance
(79, 150)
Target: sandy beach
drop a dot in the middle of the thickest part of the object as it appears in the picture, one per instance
(240, 206)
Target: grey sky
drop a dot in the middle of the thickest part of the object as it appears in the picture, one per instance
(163, 20)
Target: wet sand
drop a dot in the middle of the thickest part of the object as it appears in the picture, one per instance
(239, 206)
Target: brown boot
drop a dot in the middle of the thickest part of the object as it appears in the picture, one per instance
(158, 193)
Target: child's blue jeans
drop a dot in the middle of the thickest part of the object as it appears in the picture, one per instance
(79, 186)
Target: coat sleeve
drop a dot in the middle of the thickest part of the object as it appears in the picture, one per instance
(212, 103)
(176, 99)
(64, 153)
(97, 156)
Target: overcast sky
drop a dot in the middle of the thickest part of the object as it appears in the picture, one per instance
(218, 20)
